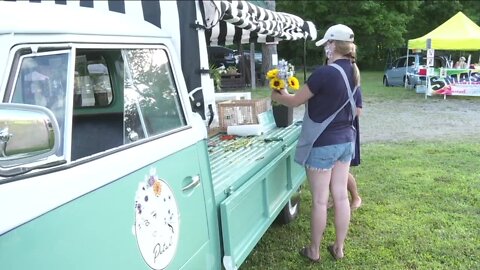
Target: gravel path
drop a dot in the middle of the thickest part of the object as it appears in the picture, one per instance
(423, 119)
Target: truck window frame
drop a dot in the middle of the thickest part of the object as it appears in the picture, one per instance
(72, 48)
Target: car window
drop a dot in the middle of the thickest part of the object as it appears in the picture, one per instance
(411, 61)
(401, 63)
(437, 61)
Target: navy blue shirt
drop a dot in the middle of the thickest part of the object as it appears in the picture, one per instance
(330, 93)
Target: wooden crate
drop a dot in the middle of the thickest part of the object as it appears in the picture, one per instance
(241, 112)
(232, 81)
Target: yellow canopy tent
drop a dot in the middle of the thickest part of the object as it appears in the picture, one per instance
(457, 33)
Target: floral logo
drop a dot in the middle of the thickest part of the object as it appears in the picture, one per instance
(157, 221)
(282, 77)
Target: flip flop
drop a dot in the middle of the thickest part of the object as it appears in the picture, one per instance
(332, 252)
(304, 253)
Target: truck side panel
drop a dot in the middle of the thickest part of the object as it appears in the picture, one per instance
(97, 230)
(250, 210)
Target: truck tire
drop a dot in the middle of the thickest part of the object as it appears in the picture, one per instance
(291, 210)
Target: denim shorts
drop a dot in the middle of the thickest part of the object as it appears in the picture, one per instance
(324, 157)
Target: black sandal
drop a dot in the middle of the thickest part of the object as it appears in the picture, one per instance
(332, 252)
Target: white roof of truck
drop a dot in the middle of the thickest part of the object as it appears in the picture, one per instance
(35, 18)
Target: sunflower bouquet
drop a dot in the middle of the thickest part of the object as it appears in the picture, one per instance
(282, 77)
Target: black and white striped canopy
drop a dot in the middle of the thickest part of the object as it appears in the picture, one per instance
(240, 22)
(226, 22)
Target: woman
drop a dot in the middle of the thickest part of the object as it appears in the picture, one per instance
(326, 154)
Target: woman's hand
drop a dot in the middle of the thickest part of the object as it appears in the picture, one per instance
(278, 95)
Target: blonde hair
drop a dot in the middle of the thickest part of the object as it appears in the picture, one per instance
(349, 49)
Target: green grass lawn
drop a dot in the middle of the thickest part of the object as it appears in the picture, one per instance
(421, 207)
(371, 86)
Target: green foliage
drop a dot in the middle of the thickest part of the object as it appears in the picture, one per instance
(216, 75)
(378, 25)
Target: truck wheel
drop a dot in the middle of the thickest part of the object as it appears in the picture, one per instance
(291, 209)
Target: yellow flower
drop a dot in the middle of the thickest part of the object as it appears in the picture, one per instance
(277, 84)
(272, 74)
(293, 83)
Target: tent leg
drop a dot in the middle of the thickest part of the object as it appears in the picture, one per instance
(406, 69)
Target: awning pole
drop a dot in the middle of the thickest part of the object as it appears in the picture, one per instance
(253, 76)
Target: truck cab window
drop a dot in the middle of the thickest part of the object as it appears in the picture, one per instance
(152, 104)
(41, 80)
(92, 81)
(121, 96)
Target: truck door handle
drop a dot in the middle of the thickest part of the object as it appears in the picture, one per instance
(195, 182)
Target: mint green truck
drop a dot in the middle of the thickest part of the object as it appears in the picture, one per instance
(105, 158)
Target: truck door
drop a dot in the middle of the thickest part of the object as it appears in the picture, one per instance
(132, 191)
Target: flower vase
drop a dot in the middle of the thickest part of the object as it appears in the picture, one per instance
(283, 115)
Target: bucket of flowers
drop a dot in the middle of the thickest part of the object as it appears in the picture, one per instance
(280, 78)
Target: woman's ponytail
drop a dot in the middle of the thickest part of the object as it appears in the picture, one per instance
(353, 59)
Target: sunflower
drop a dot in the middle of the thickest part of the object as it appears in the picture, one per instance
(272, 74)
(293, 83)
(277, 84)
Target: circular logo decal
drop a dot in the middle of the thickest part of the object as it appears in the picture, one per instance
(156, 221)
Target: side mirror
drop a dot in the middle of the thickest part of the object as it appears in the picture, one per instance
(28, 134)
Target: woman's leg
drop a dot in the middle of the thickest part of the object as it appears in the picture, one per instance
(352, 188)
(342, 206)
(319, 182)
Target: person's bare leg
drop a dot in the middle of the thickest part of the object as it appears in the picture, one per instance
(319, 182)
(342, 206)
(352, 189)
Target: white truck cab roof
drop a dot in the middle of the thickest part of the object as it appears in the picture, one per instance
(36, 23)
(34, 18)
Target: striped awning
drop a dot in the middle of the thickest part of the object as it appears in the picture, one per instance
(240, 22)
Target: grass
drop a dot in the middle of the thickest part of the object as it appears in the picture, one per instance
(421, 207)
(371, 87)
(421, 211)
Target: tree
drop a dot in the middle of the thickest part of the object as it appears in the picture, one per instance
(377, 25)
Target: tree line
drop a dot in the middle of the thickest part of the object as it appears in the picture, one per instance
(382, 28)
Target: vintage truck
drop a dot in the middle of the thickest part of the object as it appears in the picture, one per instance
(105, 157)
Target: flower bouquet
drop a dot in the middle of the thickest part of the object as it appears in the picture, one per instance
(280, 78)
(283, 77)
